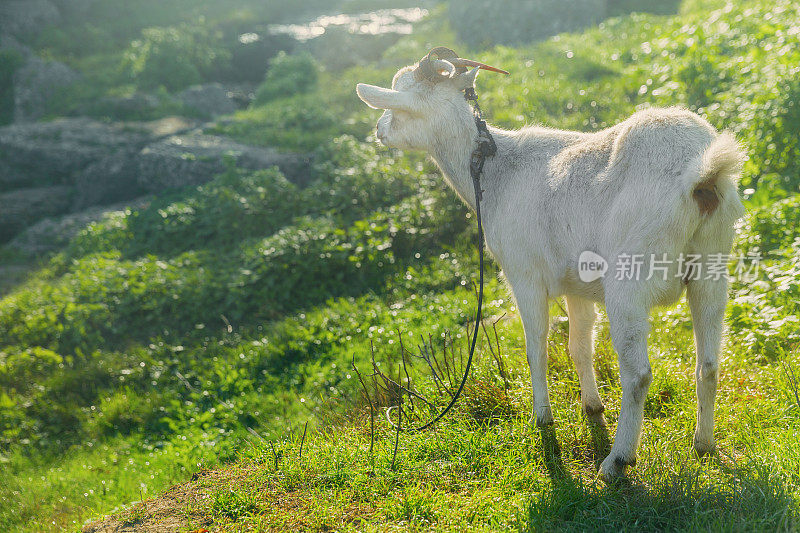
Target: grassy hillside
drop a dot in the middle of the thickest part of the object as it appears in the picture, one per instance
(210, 325)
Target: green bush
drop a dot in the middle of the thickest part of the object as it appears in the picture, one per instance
(712, 66)
(124, 411)
(288, 75)
(303, 122)
(235, 206)
(249, 59)
(770, 228)
(764, 311)
(103, 298)
(353, 180)
(174, 57)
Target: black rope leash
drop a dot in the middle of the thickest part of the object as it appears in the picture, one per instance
(486, 148)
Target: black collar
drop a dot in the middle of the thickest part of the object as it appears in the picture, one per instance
(486, 146)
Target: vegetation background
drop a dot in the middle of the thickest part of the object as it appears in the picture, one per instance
(191, 337)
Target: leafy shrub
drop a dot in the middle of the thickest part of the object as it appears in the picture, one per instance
(288, 75)
(770, 228)
(47, 391)
(124, 411)
(108, 234)
(303, 122)
(248, 59)
(317, 259)
(235, 206)
(173, 57)
(353, 179)
(764, 312)
(104, 299)
(10, 60)
(711, 65)
(482, 23)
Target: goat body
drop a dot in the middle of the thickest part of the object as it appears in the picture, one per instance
(644, 187)
(659, 186)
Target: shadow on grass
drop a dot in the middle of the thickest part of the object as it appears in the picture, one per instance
(738, 499)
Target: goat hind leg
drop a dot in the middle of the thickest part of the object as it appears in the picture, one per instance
(629, 328)
(533, 309)
(707, 299)
(581, 346)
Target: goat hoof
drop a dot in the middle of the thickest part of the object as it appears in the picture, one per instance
(543, 418)
(613, 469)
(704, 449)
(594, 415)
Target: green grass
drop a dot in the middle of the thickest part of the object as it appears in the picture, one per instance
(501, 475)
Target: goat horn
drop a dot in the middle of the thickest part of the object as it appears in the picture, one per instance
(437, 60)
(441, 64)
(460, 62)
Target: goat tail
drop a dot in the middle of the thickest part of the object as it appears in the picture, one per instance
(719, 172)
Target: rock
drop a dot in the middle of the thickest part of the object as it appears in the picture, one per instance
(10, 178)
(9, 42)
(35, 83)
(209, 100)
(195, 158)
(50, 153)
(165, 127)
(26, 18)
(111, 179)
(243, 94)
(133, 106)
(23, 207)
(53, 233)
(89, 163)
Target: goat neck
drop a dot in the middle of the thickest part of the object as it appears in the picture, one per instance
(452, 154)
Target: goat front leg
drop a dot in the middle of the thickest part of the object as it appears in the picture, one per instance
(532, 303)
(581, 346)
(707, 299)
(629, 328)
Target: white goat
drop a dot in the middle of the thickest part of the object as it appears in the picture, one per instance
(661, 184)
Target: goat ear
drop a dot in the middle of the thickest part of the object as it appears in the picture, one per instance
(467, 79)
(380, 98)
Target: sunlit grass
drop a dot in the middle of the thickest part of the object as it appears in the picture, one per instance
(499, 475)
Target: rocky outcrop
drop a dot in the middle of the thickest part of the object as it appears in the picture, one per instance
(10, 178)
(9, 42)
(111, 179)
(69, 165)
(194, 158)
(25, 18)
(23, 207)
(209, 100)
(53, 233)
(49, 153)
(36, 83)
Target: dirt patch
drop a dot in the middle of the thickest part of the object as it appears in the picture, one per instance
(173, 511)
